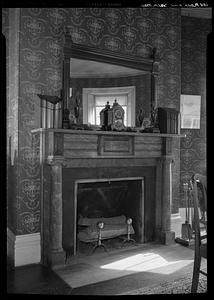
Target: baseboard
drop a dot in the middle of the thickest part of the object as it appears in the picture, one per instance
(176, 221)
(27, 249)
(182, 212)
(10, 247)
(23, 249)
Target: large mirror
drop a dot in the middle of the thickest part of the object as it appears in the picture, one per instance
(94, 76)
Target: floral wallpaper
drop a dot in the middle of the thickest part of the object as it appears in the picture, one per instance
(194, 33)
(10, 31)
(127, 30)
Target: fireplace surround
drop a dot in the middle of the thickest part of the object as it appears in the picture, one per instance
(70, 158)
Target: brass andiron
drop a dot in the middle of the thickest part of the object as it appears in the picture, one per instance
(100, 226)
(128, 239)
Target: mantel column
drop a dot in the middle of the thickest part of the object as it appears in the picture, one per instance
(167, 236)
(56, 254)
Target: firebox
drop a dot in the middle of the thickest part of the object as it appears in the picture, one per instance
(108, 192)
(112, 200)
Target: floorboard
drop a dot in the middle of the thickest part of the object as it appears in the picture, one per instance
(90, 278)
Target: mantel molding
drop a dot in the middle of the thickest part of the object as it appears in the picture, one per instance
(104, 162)
(100, 132)
(79, 51)
(167, 159)
(54, 160)
(61, 146)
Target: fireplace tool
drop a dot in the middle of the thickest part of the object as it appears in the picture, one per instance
(186, 230)
(128, 239)
(100, 226)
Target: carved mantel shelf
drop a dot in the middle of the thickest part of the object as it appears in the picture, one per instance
(100, 132)
(64, 144)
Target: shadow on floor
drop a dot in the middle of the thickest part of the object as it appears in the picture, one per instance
(35, 279)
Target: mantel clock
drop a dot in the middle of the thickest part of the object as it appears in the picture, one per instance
(116, 117)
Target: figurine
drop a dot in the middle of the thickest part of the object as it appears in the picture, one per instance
(77, 109)
(140, 117)
(104, 116)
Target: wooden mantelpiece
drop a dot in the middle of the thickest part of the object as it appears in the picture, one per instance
(95, 144)
(65, 149)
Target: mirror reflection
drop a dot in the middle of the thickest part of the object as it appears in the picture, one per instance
(93, 83)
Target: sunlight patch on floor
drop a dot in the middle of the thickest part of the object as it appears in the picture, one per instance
(147, 262)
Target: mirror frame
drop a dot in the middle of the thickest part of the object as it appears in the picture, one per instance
(73, 50)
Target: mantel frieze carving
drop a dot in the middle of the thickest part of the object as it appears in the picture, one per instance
(106, 162)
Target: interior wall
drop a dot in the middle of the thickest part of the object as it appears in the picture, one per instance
(127, 30)
(194, 33)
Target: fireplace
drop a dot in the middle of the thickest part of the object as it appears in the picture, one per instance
(75, 164)
(137, 182)
(108, 199)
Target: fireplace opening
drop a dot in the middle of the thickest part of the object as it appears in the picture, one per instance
(112, 201)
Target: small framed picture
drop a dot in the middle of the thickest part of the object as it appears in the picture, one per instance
(190, 108)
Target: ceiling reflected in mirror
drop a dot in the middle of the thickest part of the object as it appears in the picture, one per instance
(81, 68)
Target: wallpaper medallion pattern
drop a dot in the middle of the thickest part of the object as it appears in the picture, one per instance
(193, 81)
(10, 31)
(127, 30)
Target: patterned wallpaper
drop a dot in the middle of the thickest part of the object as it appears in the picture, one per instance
(127, 30)
(194, 33)
(12, 82)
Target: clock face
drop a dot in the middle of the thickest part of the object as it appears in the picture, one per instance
(118, 114)
(118, 124)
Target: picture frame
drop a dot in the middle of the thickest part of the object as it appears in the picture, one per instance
(190, 109)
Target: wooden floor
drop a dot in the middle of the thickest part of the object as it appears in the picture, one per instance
(35, 279)
(129, 269)
(38, 279)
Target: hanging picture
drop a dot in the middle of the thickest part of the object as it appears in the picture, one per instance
(190, 108)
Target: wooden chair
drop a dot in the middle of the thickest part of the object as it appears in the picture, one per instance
(199, 197)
